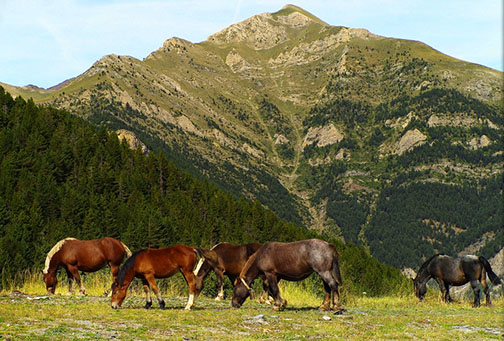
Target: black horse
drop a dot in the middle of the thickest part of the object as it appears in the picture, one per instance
(448, 271)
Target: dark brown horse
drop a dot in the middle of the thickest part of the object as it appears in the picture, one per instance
(82, 255)
(224, 259)
(448, 271)
(292, 262)
(149, 264)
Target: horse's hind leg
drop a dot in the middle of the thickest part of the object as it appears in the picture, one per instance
(486, 290)
(191, 283)
(326, 305)
(476, 289)
(332, 286)
(220, 286)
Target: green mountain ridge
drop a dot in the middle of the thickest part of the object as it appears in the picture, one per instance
(319, 123)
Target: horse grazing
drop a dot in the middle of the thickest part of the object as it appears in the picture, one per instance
(448, 271)
(149, 264)
(82, 255)
(223, 258)
(292, 262)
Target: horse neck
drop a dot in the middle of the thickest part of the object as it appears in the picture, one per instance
(54, 263)
(129, 276)
(423, 274)
(127, 271)
(250, 270)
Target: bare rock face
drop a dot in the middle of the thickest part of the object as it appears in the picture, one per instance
(324, 136)
(259, 32)
(476, 143)
(411, 139)
(133, 141)
(237, 63)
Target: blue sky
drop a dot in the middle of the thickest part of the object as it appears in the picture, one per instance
(45, 42)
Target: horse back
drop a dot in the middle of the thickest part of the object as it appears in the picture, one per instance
(455, 271)
(297, 259)
(86, 255)
(288, 260)
(165, 262)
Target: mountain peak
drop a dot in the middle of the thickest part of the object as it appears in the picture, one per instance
(290, 9)
(266, 30)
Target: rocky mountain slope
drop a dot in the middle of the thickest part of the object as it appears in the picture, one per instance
(380, 141)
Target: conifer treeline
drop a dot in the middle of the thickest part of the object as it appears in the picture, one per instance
(61, 177)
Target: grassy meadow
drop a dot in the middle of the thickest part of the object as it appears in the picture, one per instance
(27, 312)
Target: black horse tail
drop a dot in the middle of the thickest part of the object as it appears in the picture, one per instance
(335, 271)
(493, 277)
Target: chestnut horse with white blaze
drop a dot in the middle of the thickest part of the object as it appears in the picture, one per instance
(149, 264)
(292, 262)
(82, 255)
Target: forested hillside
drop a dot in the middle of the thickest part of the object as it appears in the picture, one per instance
(61, 177)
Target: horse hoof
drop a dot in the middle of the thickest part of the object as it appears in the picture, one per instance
(324, 307)
(162, 305)
(219, 298)
(148, 305)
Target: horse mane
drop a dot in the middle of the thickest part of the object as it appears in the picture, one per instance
(53, 251)
(423, 267)
(216, 245)
(130, 262)
(249, 263)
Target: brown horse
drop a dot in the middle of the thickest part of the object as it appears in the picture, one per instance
(223, 258)
(448, 271)
(149, 264)
(82, 255)
(292, 262)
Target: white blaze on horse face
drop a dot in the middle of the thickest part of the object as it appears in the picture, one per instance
(198, 267)
(190, 302)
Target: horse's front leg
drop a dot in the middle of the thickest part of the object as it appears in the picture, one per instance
(274, 291)
(146, 287)
(476, 290)
(70, 283)
(75, 274)
(265, 297)
(447, 292)
(442, 287)
(115, 270)
(152, 282)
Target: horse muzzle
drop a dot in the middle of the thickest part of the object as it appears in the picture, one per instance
(115, 305)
